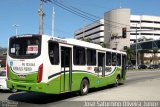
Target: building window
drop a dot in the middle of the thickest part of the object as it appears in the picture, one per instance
(134, 21)
(146, 21)
(134, 27)
(147, 34)
(92, 34)
(91, 57)
(53, 53)
(157, 34)
(156, 22)
(146, 27)
(156, 28)
(86, 30)
(134, 33)
(79, 55)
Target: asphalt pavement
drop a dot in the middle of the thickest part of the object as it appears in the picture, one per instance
(139, 86)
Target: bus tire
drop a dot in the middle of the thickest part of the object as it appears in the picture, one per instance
(117, 81)
(84, 87)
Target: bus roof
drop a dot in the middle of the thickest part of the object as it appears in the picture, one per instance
(72, 41)
(76, 42)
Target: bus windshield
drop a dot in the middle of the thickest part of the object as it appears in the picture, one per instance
(25, 47)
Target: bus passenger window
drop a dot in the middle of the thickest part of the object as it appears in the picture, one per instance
(108, 58)
(119, 59)
(114, 59)
(79, 55)
(91, 57)
(53, 52)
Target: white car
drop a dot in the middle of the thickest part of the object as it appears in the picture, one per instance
(3, 83)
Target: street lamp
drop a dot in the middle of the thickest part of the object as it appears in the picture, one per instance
(16, 27)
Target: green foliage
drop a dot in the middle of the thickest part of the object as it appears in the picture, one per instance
(104, 45)
(3, 51)
(114, 34)
(130, 54)
(87, 40)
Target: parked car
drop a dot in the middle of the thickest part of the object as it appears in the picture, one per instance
(130, 67)
(153, 66)
(3, 84)
(142, 66)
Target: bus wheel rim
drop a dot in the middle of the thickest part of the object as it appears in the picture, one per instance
(85, 87)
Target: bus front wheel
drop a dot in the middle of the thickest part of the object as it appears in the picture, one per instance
(84, 87)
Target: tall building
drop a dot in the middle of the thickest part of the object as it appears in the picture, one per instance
(148, 26)
(94, 31)
(109, 28)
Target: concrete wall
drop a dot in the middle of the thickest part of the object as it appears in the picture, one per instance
(114, 21)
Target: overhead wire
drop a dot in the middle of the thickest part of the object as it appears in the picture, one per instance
(73, 11)
(87, 15)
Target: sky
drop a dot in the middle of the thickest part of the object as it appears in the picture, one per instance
(25, 14)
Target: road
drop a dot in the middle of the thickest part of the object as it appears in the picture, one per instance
(140, 86)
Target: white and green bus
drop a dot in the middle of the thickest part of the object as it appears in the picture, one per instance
(46, 64)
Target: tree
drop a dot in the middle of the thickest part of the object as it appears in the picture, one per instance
(3, 51)
(87, 40)
(114, 35)
(130, 53)
(104, 45)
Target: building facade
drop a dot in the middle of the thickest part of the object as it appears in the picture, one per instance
(148, 27)
(108, 30)
(115, 20)
(94, 31)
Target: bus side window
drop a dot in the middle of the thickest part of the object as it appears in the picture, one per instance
(119, 59)
(53, 51)
(91, 57)
(79, 55)
(108, 58)
(114, 59)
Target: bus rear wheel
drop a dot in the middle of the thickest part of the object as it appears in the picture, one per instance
(84, 87)
(117, 81)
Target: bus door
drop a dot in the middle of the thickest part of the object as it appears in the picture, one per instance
(101, 64)
(123, 66)
(66, 69)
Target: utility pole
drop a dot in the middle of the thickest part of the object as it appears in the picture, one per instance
(41, 14)
(53, 14)
(136, 47)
